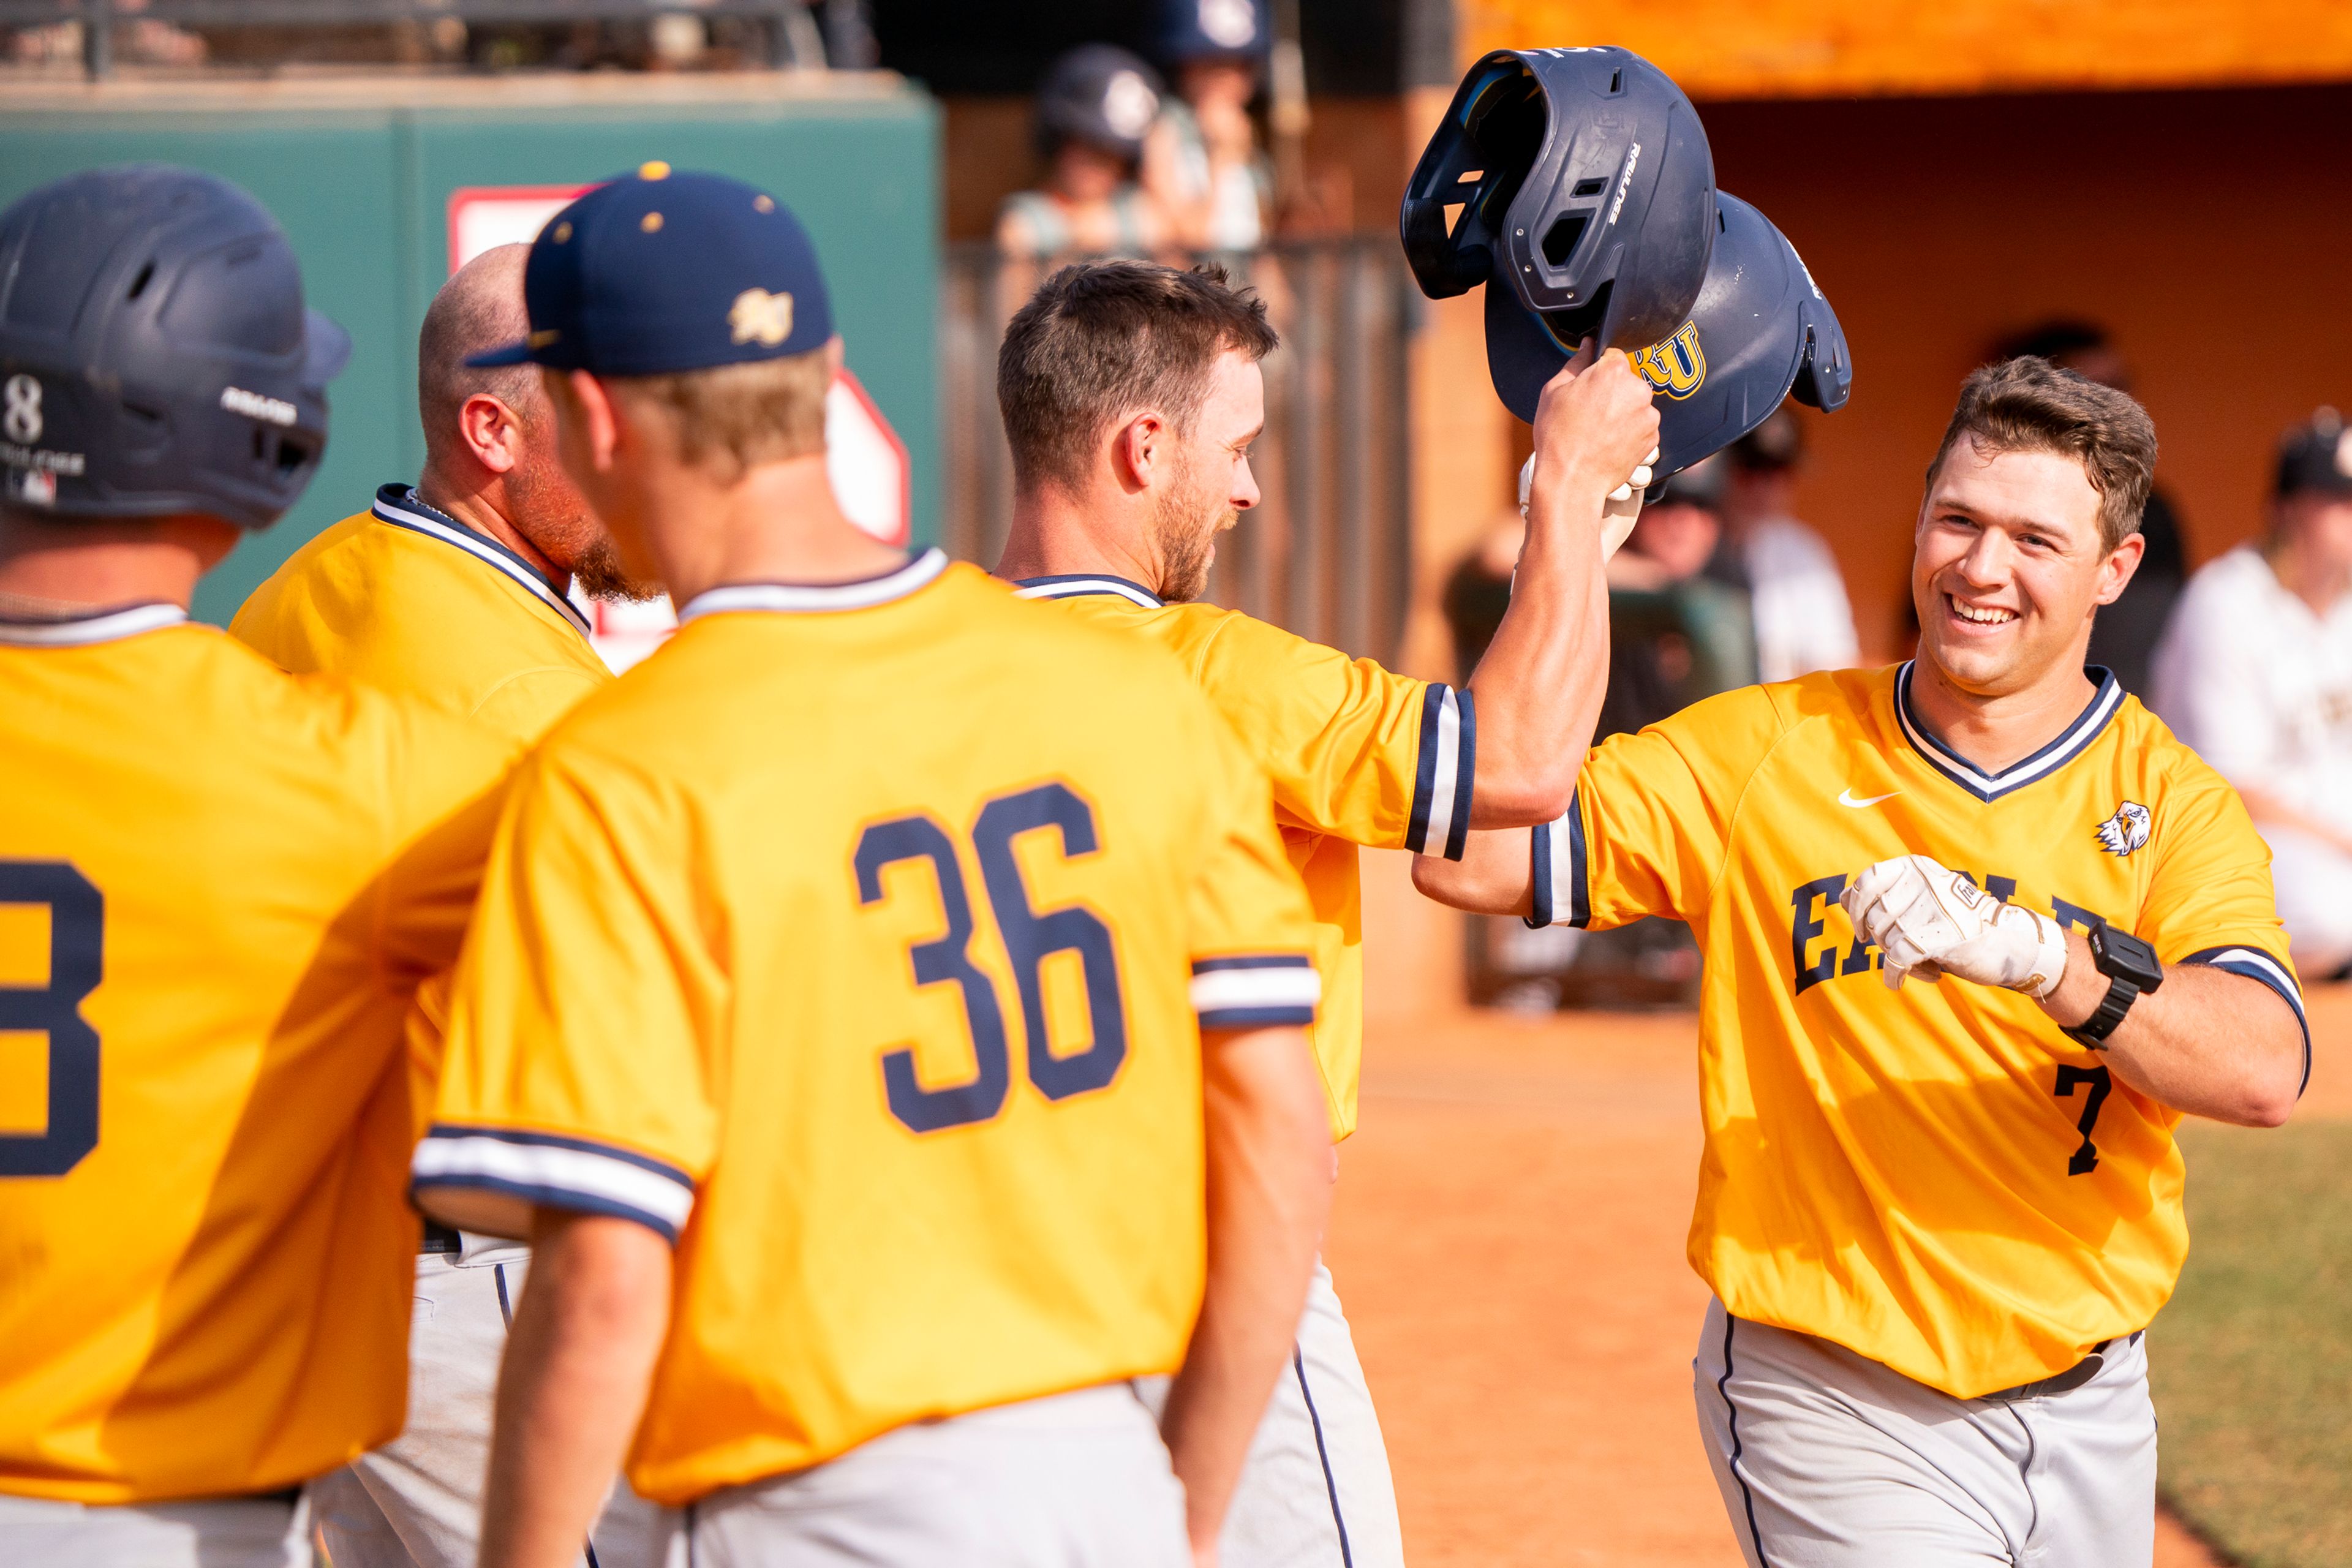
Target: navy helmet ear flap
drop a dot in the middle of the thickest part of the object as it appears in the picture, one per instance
(1825, 379)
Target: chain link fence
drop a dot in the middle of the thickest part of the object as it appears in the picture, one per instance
(1328, 553)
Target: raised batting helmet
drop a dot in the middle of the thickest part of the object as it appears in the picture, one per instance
(1584, 179)
(1759, 329)
(155, 356)
(1102, 95)
(1212, 29)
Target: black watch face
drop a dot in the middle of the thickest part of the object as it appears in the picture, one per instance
(2123, 955)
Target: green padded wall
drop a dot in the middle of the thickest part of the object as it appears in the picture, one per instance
(361, 176)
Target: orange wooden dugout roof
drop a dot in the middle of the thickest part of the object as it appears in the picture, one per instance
(1827, 48)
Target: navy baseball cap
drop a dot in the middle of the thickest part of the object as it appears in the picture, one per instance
(2316, 458)
(667, 270)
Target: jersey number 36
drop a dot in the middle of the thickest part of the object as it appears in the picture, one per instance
(1029, 939)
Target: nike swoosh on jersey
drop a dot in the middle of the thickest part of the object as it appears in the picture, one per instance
(1845, 797)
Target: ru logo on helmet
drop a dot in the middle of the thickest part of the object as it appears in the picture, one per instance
(1676, 367)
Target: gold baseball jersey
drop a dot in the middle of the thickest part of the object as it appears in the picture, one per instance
(1355, 754)
(855, 942)
(409, 599)
(1936, 1178)
(219, 885)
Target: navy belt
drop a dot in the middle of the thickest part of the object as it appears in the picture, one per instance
(2073, 1377)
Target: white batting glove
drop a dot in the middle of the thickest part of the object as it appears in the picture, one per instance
(1618, 514)
(1638, 481)
(1922, 916)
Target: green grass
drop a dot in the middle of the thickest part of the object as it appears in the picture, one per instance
(2251, 1361)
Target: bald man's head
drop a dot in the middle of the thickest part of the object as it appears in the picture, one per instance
(489, 434)
(480, 308)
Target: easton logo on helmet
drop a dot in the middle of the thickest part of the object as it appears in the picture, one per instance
(1676, 367)
(253, 405)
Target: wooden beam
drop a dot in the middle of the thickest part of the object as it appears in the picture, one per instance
(1827, 48)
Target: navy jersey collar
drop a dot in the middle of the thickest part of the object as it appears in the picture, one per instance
(1083, 584)
(81, 631)
(807, 598)
(2076, 738)
(400, 505)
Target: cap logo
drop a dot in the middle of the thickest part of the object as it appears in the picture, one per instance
(1676, 367)
(654, 169)
(1233, 23)
(761, 317)
(540, 340)
(1129, 104)
(651, 223)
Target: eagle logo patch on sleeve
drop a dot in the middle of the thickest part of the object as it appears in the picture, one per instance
(2127, 830)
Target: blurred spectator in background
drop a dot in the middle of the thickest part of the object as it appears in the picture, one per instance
(2123, 637)
(1675, 634)
(1202, 164)
(1804, 622)
(1094, 110)
(2255, 672)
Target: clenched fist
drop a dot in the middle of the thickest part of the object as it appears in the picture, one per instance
(1929, 920)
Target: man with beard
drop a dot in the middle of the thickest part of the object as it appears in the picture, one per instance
(455, 589)
(1130, 395)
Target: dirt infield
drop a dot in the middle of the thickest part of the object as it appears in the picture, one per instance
(1508, 1242)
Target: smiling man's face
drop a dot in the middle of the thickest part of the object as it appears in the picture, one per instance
(2009, 567)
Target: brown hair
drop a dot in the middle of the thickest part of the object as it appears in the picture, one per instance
(1103, 340)
(764, 411)
(2027, 405)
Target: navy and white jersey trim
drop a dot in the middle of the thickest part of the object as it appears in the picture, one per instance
(817, 598)
(1448, 768)
(2256, 964)
(2078, 736)
(560, 1172)
(1255, 991)
(1080, 585)
(81, 631)
(399, 506)
(1556, 876)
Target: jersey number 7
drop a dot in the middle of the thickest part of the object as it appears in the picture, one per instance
(77, 953)
(1029, 939)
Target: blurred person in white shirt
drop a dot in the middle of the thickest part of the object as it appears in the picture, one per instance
(1803, 621)
(2255, 672)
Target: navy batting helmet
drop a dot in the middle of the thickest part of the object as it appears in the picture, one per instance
(1102, 95)
(155, 356)
(1759, 329)
(1584, 179)
(1212, 29)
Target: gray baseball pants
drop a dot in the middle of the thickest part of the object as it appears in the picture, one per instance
(1071, 1480)
(243, 1532)
(1828, 1459)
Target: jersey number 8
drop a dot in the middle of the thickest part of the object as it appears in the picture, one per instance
(1029, 939)
(77, 952)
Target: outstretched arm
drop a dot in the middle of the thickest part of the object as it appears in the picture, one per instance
(1538, 689)
(1493, 877)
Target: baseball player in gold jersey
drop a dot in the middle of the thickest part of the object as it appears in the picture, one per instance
(1979, 931)
(219, 886)
(1130, 395)
(946, 1025)
(455, 589)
